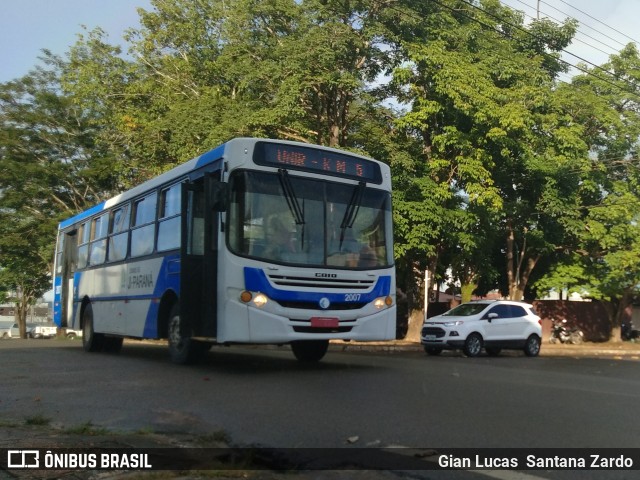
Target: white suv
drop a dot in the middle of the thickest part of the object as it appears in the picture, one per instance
(492, 325)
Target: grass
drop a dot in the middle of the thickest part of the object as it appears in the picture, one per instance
(87, 428)
(213, 439)
(37, 420)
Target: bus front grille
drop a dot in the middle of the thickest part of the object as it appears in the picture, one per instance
(321, 282)
(314, 305)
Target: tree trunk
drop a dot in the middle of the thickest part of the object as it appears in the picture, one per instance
(466, 291)
(22, 308)
(416, 319)
(512, 282)
(517, 276)
(618, 314)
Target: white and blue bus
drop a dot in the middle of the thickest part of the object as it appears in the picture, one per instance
(255, 242)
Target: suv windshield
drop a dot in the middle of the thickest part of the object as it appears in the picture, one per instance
(466, 309)
(283, 218)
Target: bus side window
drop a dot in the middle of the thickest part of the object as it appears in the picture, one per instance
(59, 250)
(119, 234)
(169, 221)
(195, 227)
(143, 230)
(99, 227)
(83, 245)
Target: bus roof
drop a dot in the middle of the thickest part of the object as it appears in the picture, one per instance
(179, 172)
(174, 174)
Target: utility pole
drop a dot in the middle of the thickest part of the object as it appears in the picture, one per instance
(427, 286)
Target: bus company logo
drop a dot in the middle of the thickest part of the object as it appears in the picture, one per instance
(326, 275)
(138, 279)
(324, 303)
(23, 459)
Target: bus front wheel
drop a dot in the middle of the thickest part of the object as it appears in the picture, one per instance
(91, 341)
(309, 350)
(183, 349)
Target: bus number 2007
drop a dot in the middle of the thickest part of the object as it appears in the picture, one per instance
(352, 297)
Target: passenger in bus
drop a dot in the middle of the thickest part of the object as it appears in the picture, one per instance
(367, 257)
(281, 244)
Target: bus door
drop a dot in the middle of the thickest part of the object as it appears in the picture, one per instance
(68, 268)
(199, 257)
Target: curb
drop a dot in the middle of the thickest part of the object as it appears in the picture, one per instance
(625, 350)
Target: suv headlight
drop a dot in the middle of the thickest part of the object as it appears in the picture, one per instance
(453, 324)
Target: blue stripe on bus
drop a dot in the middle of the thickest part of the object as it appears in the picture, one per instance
(57, 301)
(211, 156)
(256, 281)
(122, 298)
(168, 279)
(87, 213)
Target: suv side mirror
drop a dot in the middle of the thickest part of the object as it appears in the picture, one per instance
(491, 316)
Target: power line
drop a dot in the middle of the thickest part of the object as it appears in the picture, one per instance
(578, 67)
(597, 20)
(546, 14)
(597, 162)
(589, 26)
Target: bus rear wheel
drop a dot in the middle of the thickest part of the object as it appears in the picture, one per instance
(183, 349)
(309, 351)
(91, 341)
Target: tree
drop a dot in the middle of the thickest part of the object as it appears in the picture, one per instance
(604, 264)
(203, 72)
(51, 169)
(25, 262)
(492, 129)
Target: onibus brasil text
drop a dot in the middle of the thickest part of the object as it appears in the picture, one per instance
(56, 460)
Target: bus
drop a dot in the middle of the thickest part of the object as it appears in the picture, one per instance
(257, 241)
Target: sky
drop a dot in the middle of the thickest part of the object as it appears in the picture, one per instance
(28, 26)
(605, 26)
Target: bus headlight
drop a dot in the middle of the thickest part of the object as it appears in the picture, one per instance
(260, 300)
(382, 302)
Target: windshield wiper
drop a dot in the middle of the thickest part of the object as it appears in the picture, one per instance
(352, 210)
(290, 197)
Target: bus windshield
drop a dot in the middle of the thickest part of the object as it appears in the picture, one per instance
(287, 219)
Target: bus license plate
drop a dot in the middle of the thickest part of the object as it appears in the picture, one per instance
(324, 322)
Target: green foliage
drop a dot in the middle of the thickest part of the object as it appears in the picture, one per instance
(37, 420)
(51, 169)
(492, 131)
(503, 176)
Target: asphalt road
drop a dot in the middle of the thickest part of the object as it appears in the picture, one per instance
(264, 397)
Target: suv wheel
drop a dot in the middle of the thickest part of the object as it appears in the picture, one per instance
(473, 345)
(532, 346)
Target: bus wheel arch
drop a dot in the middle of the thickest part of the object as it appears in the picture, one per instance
(183, 350)
(91, 341)
(168, 300)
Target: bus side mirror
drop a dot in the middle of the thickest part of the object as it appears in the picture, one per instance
(219, 196)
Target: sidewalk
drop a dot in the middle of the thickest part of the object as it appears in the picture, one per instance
(622, 350)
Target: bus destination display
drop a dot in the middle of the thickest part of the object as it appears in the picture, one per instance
(315, 160)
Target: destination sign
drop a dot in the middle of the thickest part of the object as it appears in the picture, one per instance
(316, 160)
